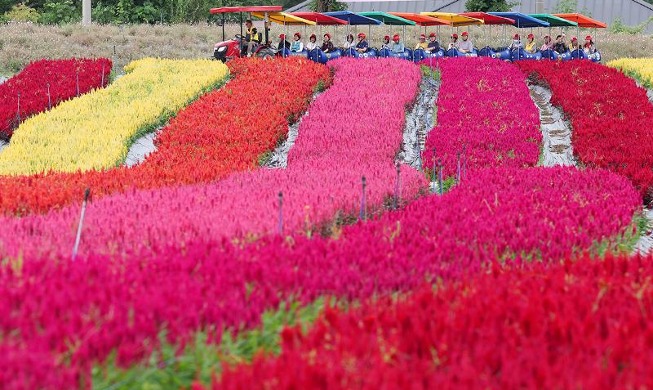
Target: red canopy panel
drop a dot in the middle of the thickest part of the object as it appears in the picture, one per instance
(320, 19)
(421, 20)
(489, 19)
(582, 20)
(261, 8)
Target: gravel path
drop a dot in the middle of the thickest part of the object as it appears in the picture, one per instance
(420, 120)
(556, 132)
(141, 148)
(645, 244)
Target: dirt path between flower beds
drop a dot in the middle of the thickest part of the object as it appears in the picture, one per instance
(420, 120)
(644, 245)
(279, 156)
(141, 148)
(649, 93)
(556, 132)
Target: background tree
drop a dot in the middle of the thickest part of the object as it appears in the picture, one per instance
(327, 5)
(489, 5)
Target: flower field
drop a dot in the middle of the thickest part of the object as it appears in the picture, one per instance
(513, 275)
(94, 131)
(44, 84)
(639, 68)
(611, 117)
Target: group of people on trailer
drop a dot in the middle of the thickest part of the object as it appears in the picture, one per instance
(426, 46)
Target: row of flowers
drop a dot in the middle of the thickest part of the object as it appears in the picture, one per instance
(96, 130)
(639, 68)
(44, 84)
(485, 118)
(224, 131)
(323, 178)
(68, 316)
(579, 324)
(611, 117)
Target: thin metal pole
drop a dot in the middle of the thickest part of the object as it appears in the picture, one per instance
(81, 222)
(363, 211)
(18, 110)
(280, 226)
(50, 97)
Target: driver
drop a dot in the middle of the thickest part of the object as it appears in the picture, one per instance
(251, 39)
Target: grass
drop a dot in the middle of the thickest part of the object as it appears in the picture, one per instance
(25, 42)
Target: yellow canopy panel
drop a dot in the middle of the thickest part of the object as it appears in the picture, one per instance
(456, 20)
(284, 18)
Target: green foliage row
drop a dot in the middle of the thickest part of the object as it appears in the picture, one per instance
(123, 11)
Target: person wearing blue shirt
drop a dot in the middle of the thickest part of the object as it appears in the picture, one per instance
(297, 44)
(362, 46)
(397, 46)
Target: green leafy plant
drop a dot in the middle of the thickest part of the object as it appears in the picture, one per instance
(22, 13)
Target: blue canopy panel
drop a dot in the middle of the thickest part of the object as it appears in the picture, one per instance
(522, 20)
(352, 18)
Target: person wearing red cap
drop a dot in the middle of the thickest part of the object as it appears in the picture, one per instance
(548, 44)
(434, 45)
(297, 44)
(397, 46)
(589, 47)
(421, 44)
(530, 44)
(516, 43)
(362, 46)
(465, 46)
(574, 44)
(454, 42)
(311, 45)
(283, 43)
(386, 43)
(327, 45)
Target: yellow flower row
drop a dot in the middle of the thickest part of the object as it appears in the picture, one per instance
(639, 68)
(95, 130)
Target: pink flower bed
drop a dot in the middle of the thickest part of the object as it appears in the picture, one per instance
(88, 308)
(502, 129)
(323, 177)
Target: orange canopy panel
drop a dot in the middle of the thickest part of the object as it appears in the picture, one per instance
(260, 8)
(582, 20)
(421, 20)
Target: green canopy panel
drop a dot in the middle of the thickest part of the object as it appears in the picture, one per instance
(387, 18)
(554, 21)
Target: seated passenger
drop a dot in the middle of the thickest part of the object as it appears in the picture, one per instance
(397, 45)
(386, 43)
(311, 45)
(434, 45)
(327, 45)
(349, 42)
(283, 43)
(560, 45)
(297, 45)
(574, 44)
(362, 46)
(454, 42)
(589, 47)
(466, 45)
(530, 44)
(548, 44)
(421, 44)
(516, 43)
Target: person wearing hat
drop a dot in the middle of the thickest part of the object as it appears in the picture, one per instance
(548, 44)
(397, 46)
(297, 44)
(362, 46)
(421, 44)
(327, 45)
(311, 45)
(516, 43)
(454, 42)
(574, 44)
(589, 47)
(530, 44)
(465, 46)
(283, 43)
(434, 45)
(560, 45)
(386, 43)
